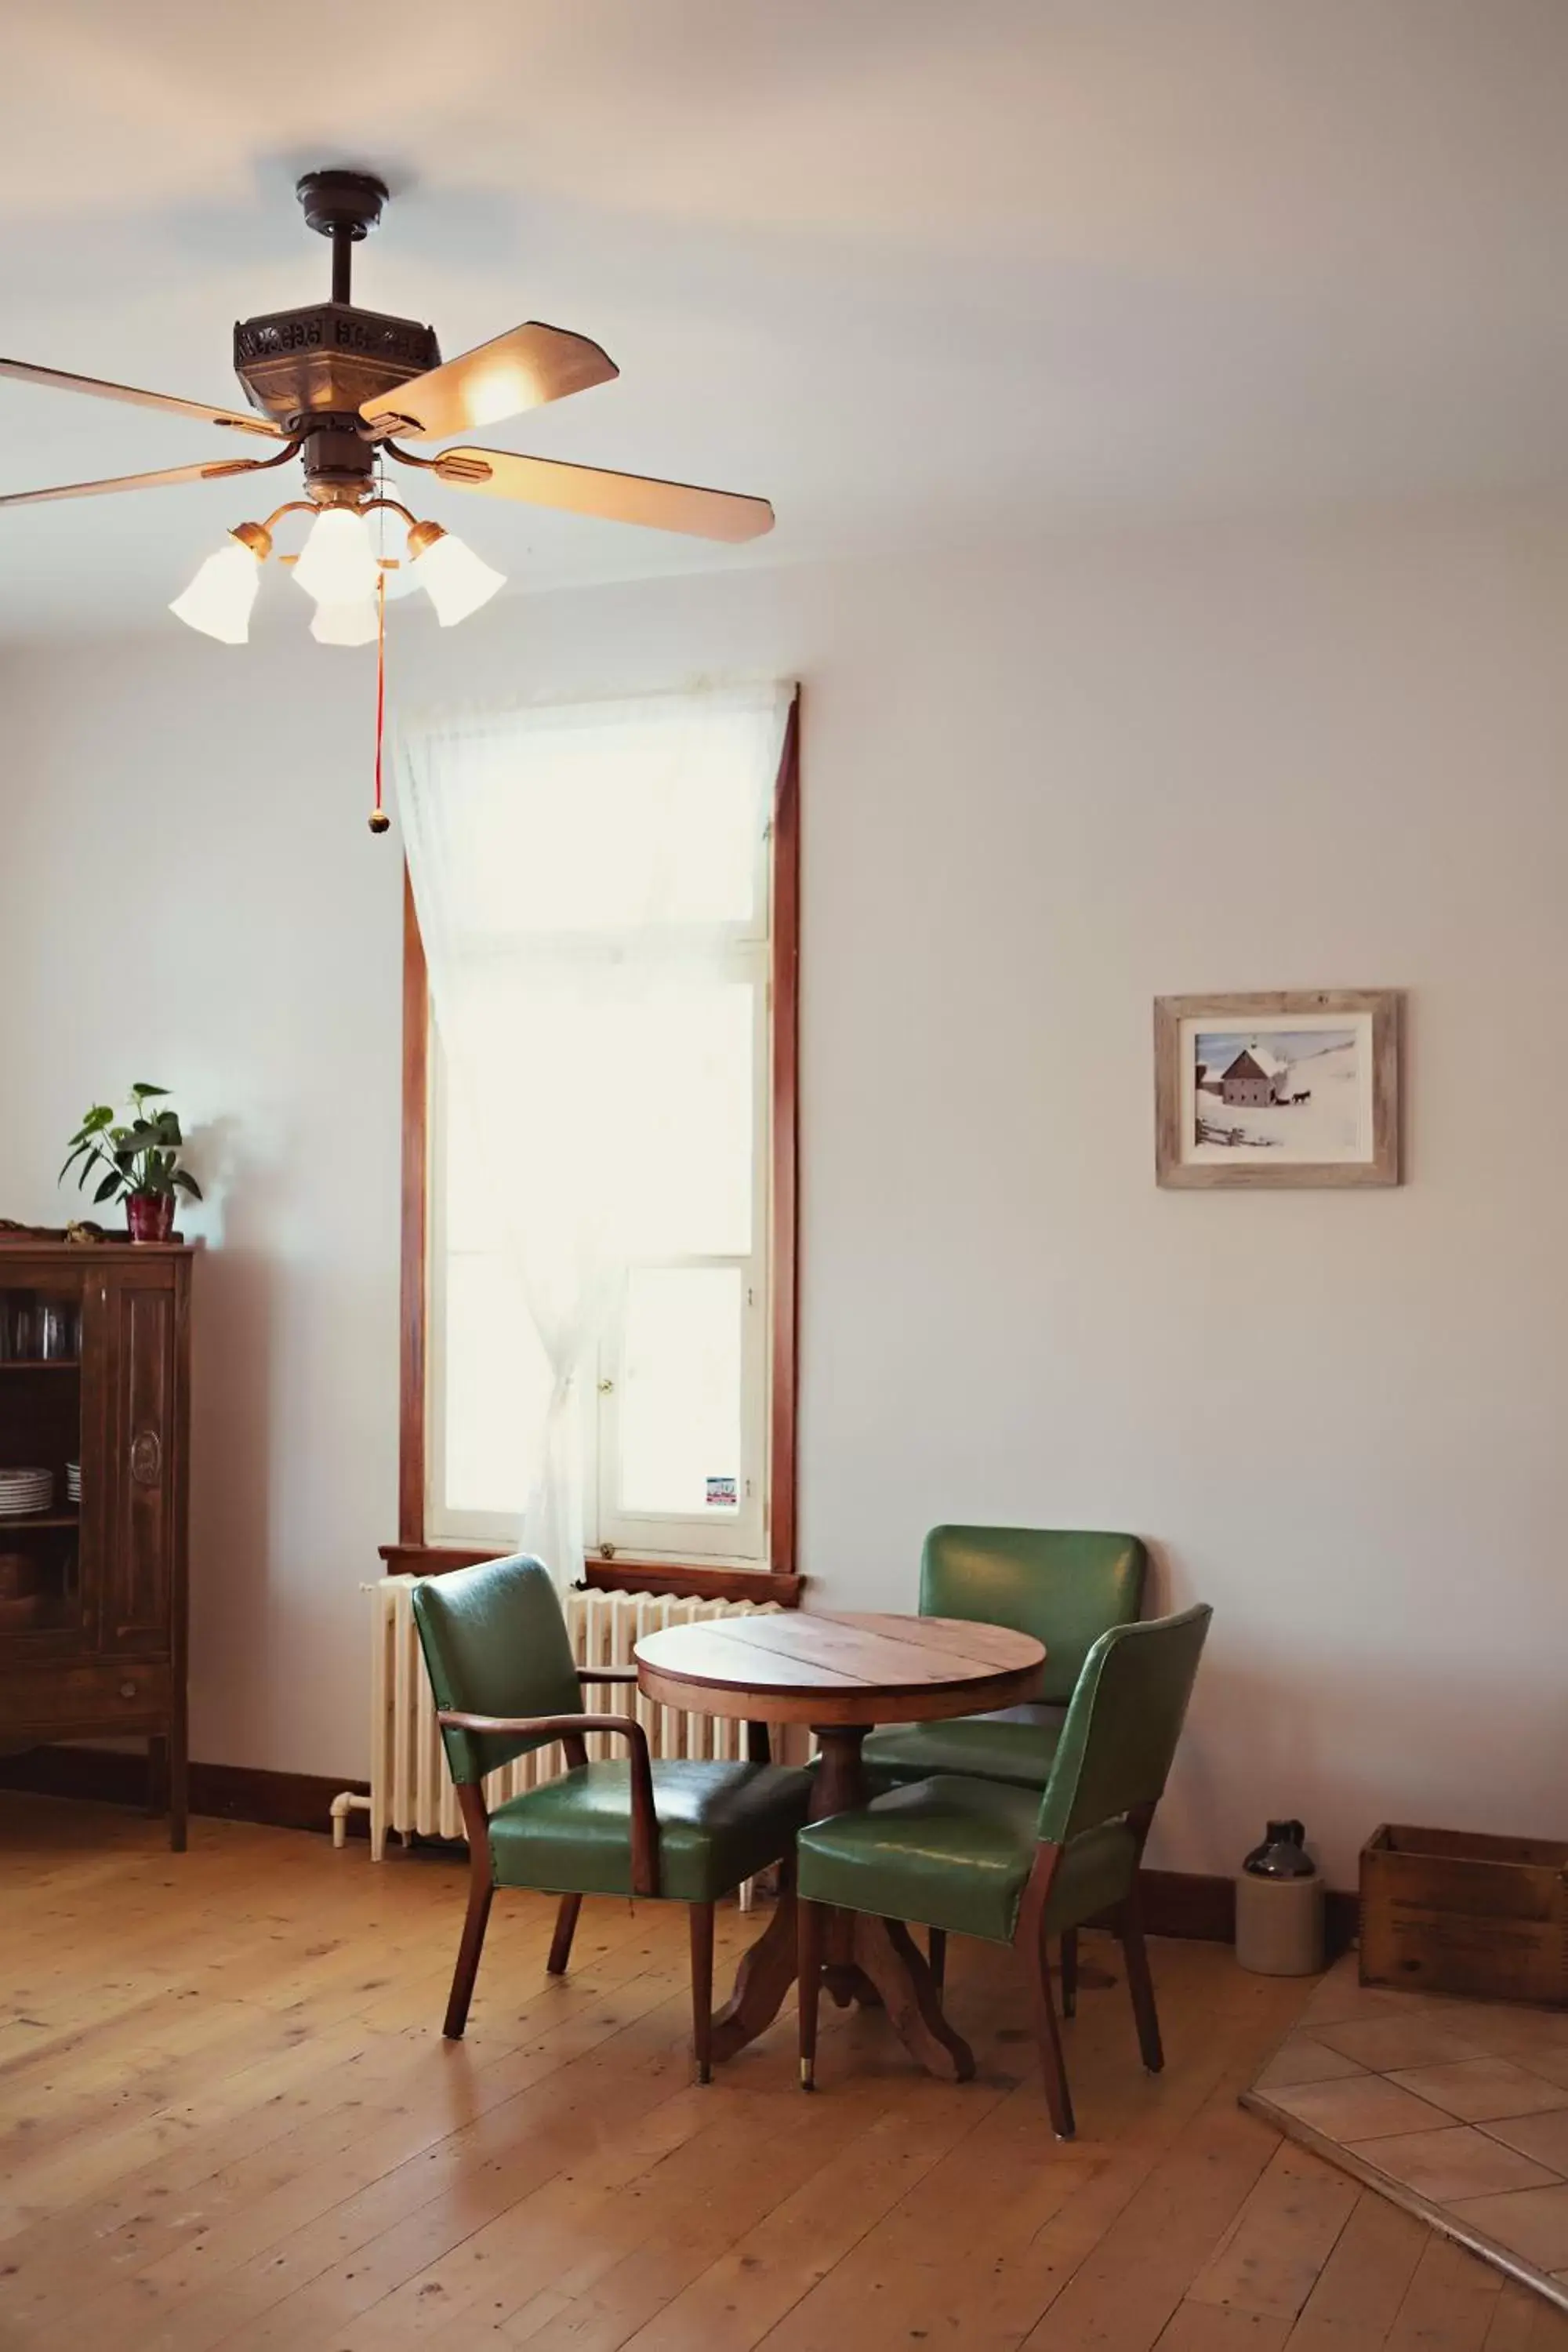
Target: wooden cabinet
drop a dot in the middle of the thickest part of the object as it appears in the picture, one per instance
(94, 1391)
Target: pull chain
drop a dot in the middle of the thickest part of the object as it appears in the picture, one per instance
(379, 820)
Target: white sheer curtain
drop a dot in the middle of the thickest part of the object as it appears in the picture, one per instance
(562, 906)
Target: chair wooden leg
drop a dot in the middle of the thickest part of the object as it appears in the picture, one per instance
(1032, 1945)
(1140, 1985)
(566, 1928)
(1058, 2098)
(1069, 1972)
(936, 1955)
(811, 1923)
(481, 1888)
(481, 1892)
(701, 1918)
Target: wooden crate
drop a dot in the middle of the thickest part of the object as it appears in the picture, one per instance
(1450, 1911)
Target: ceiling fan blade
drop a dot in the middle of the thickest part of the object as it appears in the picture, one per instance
(616, 497)
(522, 370)
(26, 372)
(213, 473)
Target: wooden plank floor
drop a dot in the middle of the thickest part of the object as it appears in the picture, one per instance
(227, 2119)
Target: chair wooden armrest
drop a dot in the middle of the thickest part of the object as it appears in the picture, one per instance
(645, 1821)
(589, 1674)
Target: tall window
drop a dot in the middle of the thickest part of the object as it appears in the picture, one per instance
(673, 1044)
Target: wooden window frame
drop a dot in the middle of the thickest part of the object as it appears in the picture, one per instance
(779, 1580)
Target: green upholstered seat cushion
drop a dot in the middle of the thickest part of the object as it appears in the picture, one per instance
(956, 1852)
(717, 1823)
(1016, 1745)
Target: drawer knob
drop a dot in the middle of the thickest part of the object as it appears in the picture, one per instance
(126, 1690)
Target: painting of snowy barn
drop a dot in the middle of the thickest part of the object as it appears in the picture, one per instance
(1278, 1089)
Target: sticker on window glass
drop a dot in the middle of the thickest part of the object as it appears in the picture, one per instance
(721, 1494)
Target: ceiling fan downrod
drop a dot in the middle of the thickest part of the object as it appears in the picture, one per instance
(344, 206)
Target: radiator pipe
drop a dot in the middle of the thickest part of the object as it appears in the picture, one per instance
(349, 1801)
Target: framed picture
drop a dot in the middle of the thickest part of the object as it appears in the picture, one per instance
(1279, 1088)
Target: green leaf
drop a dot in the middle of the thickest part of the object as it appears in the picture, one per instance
(142, 1088)
(188, 1182)
(101, 1116)
(111, 1184)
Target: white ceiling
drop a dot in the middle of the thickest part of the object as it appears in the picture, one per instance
(915, 271)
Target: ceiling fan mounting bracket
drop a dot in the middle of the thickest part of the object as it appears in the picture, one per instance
(342, 204)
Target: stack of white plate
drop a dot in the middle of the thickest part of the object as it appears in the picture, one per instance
(22, 1492)
(73, 1482)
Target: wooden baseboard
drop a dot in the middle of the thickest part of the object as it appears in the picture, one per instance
(1184, 1903)
(230, 1792)
(1176, 1902)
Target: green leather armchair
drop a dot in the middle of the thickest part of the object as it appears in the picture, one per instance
(987, 1858)
(1063, 1586)
(500, 1666)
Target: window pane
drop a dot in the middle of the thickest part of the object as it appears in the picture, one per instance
(679, 1418)
(686, 1096)
(639, 818)
(497, 1389)
(469, 1216)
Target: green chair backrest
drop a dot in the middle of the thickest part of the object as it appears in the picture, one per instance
(1064, 1587)
(1123, 1724)
(495, 1643)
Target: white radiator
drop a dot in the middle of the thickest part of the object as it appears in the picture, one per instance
(410, 1788)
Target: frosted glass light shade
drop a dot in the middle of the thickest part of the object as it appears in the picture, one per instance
(337, 563)
(219, 599)
(457, 581)
(345, 624)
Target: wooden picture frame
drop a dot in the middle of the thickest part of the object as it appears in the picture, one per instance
(1242, 1114)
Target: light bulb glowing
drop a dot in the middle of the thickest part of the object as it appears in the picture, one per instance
(456, 579)
(219, 599)
(345, 624)
(337, 563)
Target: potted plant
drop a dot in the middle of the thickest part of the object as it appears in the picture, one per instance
(139, 1161)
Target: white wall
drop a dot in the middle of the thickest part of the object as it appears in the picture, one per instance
(1039, 791)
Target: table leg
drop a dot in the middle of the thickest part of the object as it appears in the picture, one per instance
(875, 1961)
(765, 1974)
(887, 1953)
(840, 1787)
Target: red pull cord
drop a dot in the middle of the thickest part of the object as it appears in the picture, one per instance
(380, 821)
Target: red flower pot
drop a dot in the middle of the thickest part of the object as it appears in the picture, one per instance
(151, 1215)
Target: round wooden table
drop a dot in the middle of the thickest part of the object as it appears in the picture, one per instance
(841, 1676)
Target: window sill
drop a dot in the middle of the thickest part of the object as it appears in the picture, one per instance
(688, 1582)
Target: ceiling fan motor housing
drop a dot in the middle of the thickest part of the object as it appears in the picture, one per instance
(311, 369)
(327, 358)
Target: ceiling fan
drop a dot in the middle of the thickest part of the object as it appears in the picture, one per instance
(343, 389)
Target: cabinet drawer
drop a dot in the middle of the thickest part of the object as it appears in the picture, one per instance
(101, 1695)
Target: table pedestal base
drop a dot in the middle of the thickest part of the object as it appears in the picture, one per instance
(874, 1961)
(883, 1967)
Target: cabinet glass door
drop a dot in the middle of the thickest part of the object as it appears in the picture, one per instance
(41, 1388)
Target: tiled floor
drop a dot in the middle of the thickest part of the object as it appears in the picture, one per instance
(1458, 2110)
